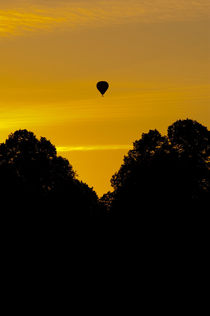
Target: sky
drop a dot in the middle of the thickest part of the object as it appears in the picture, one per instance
(154, 54)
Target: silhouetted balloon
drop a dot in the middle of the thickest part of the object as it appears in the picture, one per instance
(102, 86)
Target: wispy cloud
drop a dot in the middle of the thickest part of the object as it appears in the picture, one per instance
(92, 148)
(16, 22)
(17, 16)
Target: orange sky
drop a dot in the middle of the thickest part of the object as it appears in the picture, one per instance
(154, 53)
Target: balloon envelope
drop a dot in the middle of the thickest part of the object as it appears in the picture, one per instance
(102, 86)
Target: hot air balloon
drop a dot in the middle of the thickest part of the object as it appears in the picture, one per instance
(102, 86)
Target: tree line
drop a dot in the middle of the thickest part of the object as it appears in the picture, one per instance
(162, 174)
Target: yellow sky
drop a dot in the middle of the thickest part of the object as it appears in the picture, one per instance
(154, 53)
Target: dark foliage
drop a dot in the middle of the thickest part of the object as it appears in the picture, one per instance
(162, 177)
(164, 173)
(34, 180)
(106, 202)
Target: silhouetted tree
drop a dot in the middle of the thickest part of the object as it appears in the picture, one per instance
(106, 202)
(34, 178)
(164, 172)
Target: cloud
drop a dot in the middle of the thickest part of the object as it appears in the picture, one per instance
(92, 148)
(16, 22)
(17, 16)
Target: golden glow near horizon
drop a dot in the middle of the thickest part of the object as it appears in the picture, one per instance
(90, 148)
(154, 54)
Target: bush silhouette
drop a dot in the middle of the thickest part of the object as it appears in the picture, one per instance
(164, 173)
(34, 178)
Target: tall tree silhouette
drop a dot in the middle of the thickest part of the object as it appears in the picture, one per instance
(164, 172)
(33, 177)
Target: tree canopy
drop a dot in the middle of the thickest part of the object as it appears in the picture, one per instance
(32, 176)
(164, 172)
